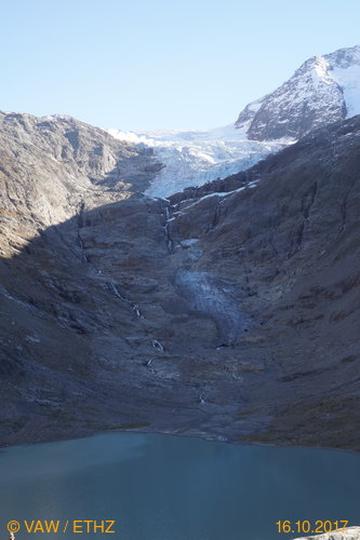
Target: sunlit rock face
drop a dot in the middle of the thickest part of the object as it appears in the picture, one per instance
(50, 165)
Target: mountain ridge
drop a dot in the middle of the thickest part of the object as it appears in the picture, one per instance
(322, 90)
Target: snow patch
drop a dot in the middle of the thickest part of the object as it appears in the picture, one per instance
(222, 194)
(349, 80)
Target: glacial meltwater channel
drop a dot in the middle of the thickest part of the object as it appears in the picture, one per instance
(160, 487)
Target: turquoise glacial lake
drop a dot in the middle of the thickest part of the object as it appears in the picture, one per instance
(160, 487)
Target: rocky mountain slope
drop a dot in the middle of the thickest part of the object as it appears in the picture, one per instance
(323, 90)
(50, 166)
(229, 311)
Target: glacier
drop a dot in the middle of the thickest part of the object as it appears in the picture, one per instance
(193, 157)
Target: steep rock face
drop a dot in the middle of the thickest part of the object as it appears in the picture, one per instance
(50, 165)
(323, 90)
(285, 235)
(54, 168)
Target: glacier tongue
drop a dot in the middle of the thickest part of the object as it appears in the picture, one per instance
(192, 158)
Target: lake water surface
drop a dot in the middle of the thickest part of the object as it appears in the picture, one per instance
(161, 487)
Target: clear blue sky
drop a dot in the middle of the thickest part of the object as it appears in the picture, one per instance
(160, 63)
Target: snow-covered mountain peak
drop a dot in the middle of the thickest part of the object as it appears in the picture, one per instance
(323, 90)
